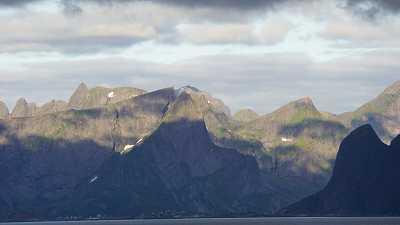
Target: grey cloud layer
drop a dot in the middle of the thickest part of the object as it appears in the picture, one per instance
(12, 3)
(263, 82)
(239, 4)
(100, 29)
(374, 5)
(390, 5)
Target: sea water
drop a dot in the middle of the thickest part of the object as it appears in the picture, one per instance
(238, 221)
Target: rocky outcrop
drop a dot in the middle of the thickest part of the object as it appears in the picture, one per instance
(52, 107)
(177, 172)
(297, 141)
(99, 96)
(23, 109)
(295, 111)
(365, 180)
(206, 99)
(74, 163)
(45, 157)
(245, 115)
(4, 113)
(383, 113)
(78, 98)
(85, 98)
(171, 146)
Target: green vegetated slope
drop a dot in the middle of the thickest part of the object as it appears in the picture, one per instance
(180, 149)
(382, 113)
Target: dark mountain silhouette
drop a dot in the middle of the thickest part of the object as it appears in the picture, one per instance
(365, 180)
(177, 171)
(34, 182)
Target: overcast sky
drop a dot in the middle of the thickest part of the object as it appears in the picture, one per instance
(257, 54)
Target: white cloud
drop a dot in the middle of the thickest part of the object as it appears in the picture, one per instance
(252, 58)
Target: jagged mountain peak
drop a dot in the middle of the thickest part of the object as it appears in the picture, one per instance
(188, 89)
(383, 112)
(85, 98)
(393, 89)
(186, 106)
(4, 112)
(204, 99)
(82, 85)
(22, 101)
(305, 101)
(295, 111)
(78, 97)
(23, 109)
(387, 103)
(245, 115)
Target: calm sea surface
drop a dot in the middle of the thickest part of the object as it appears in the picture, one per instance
(252, 221)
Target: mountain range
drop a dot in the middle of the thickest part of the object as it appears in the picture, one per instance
(128, 153)
(365, 180)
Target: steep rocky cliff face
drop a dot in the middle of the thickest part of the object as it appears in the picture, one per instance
(78, 98)
(296, 141)
(52, 107)
(383, 113)
(75, 163)
(85, 98)
(44, 158)
(34, 182)
(82, 98)
(365, 180)
(178, 171)
(23, 109)
(171, 152)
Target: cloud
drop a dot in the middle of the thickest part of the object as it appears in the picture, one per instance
(16, 3)
(249, 56)
(361, 34)
(93, 32)
(349, 31)
(268, 33)
(371, 9)
(121, 26)
(71, 8)
(237, 4)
